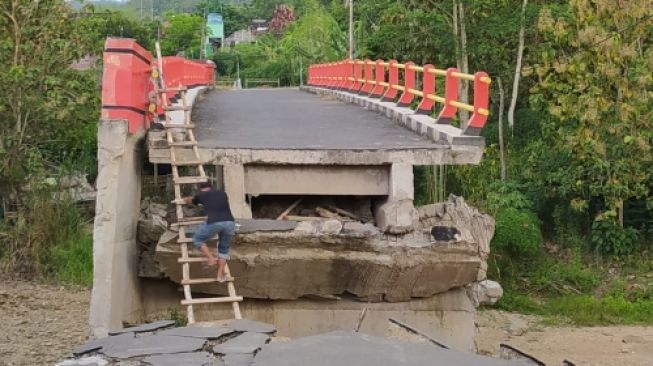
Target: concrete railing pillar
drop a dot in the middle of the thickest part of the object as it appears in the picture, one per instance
(396, 214)
(116, 295)
(234, 185)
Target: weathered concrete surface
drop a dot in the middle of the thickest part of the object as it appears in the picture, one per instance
(266, 268)
(449, 316)
(292, 119)
(116, 291)
(198, 332)
(244, 343)
(96, 344)
(145, 327)
(152, 344)
(180, 359)
(292, 264)
(299, 128)
(247, 325)
(420, 124)
(238, 359)
(317, 180)
(349, 348)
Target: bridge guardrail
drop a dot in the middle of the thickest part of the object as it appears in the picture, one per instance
(127, 84)
(385, 79)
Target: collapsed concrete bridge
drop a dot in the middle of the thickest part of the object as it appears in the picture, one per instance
(340, 143)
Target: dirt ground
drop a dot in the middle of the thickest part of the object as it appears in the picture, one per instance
(40, 324)
(596, 346)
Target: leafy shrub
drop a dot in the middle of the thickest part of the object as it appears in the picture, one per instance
(517, 233)
(47, 239)
(610, 238)
(506, 194)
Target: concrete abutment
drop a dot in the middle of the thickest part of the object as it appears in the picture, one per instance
(116, 295)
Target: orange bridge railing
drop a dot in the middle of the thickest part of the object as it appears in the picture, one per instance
(127, 84)
(406, 84)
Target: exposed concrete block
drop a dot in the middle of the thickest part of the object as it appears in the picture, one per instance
(485, 292)
(331, 227)
(396, 217)
(401, 182)
(234, 185)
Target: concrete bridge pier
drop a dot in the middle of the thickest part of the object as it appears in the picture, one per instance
(396, 214)
(233, 176)
(116, 295)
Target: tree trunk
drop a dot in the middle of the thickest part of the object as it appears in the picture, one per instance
(502, 151)
(515, 81)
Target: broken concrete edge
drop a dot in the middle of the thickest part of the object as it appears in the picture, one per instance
(439, 154)
(421, 124)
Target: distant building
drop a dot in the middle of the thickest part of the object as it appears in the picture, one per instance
(259, 26)
(241, 36)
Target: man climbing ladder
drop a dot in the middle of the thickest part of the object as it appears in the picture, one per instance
(219, 221)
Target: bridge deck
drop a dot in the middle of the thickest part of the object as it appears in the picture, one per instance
(291, 119)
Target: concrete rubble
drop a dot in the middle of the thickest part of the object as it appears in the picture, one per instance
(337, 257)
(253, 348)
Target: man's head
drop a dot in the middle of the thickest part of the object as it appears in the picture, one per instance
(205, 186)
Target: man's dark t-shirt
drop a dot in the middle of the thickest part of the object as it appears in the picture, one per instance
(216, 205)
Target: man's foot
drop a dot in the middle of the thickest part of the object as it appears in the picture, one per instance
(211, 261)
(224, 278)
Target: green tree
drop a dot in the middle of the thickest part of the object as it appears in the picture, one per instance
(594, 78)
(46, 107)
(182, 33)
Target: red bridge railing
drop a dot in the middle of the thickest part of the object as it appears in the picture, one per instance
(408, 83)
(127, 83)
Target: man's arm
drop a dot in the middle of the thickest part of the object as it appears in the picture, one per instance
(185, 200)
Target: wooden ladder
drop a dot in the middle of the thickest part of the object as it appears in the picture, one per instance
(176, 147)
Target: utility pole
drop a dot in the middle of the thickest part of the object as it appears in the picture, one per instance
(301, 72)
(351, 29)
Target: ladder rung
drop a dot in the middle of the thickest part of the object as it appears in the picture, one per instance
(182, 143)
(190, 180)
(176, 108)
(208, 300)
(198, 281)
(173, 89)
(171, 125)
(191, 259)
(186, 223)
(192, 218)
(184, 241)
(187, 163)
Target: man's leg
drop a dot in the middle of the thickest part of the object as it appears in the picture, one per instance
(211, 261)
(200, 237)
(226, 234)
